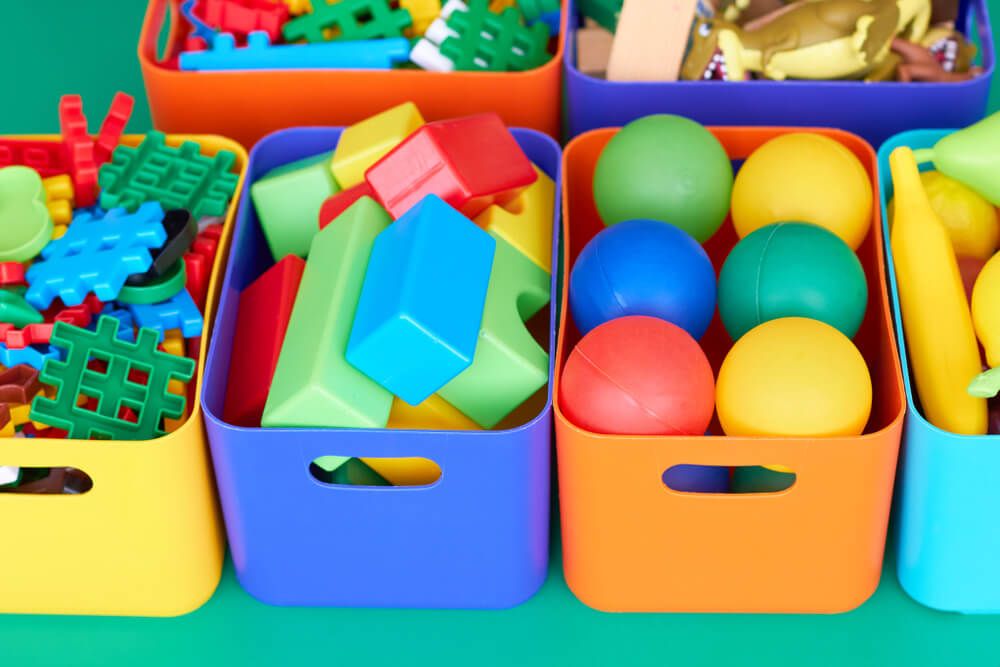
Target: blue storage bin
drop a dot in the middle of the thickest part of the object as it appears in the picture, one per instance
(876, 111)
(948, 548)
(476, 538)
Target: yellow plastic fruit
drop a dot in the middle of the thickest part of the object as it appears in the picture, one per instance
(986, 310)
(936, 319)
(971, 221)
(804, 177)
(793, 377)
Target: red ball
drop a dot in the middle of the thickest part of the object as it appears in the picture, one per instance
(638, 376)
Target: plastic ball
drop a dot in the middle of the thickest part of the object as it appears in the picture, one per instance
(794, 377)
(666, 168)
(808, 177)
(638, 376)
(791, 269)
(643, 267)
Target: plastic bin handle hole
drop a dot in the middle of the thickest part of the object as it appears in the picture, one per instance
(44, 481)
(700, 480)
(376, 472)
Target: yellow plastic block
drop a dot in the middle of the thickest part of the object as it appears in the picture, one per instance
(526, 222)
(59, 198)
(497, 6)
(296, 7)
(434, 414)
(7, 430)
(364, 143)
(423, 13)
(173, 342)
(405, 471)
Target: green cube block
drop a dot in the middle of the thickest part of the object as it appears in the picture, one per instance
(313, 385)
(346, 470)
(509, 366)
(288, 199)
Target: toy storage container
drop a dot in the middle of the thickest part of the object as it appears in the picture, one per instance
(476, 538)
(147, 539)
(876, 111)
(949, 484)
(632, 544)
(247, 105)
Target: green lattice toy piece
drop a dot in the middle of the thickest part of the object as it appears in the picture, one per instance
(494, 42)
(176, 177)
(75, 384)
(348, 20)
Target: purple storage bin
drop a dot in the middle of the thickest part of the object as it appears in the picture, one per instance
(876, 111)
(476, 538)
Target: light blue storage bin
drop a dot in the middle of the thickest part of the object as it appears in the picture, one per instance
(948, 547)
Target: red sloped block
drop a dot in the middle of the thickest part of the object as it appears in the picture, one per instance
(340, 202)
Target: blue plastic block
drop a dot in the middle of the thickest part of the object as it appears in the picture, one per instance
(178, 312)
(96, 254)
(33, 355)
(126, 324)
(421, 305)
(260, 54)
(201, 29)
(552, 20)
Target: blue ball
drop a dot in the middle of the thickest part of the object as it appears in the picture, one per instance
(643, 267)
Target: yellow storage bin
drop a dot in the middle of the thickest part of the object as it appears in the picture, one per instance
(147, 539)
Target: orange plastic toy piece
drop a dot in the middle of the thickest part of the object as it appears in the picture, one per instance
(331, 97)
(632, 544)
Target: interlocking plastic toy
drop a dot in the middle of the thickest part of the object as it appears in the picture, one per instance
(96, 255)
(113, 127)
(33, 356)
(126, 323)
(241, 17)
(176, 177)
(16, 311)
(19, 384)
(259, 53)
(181, 231)
(348, 20)
(177, 312)
(25, 223)
(202, 31)
(113, 389)
(79, 149)
(198, 263)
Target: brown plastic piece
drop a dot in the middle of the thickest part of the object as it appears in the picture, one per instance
(19, 385)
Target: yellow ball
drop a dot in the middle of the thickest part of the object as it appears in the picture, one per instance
(794, 377)
(804, 177)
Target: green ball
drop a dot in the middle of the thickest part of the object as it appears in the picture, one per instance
(666, 168)
(792, 269)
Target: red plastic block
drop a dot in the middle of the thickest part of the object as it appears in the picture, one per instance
(33, 334)
(340, 202)
(198, 262)
(78, 316)
(469, 162)
(33, 431)
(113, 127)
(241, 17)
(48, 158)
(11, 274)
(79, 149)
(265, 308)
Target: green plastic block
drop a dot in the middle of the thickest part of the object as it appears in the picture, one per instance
(346, 470)
(532, 10)
(313, 385)
(509, 365)
(605, 12)
(495, 42)
(288, 199)
(15, 310)
(348, 20)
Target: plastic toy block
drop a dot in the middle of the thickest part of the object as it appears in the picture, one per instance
(263, 316)
(79, 315)
(651, 40)
(202, 31)
(126, 323)
(259, 53)
(298, 7)
(346, 470)
(174, 177)
(11, 274)
(96, 255)
(426, 52)
(33, 356)
(526, 222)
(241, 17)
(422, 14)
(348, 20)
(313, 383)
(25, 223)
(113, 390)
(161, 289)
(199, 261)
(533, 10)
(509, 365)
(363, 144)
(59, 198)
(495, 43)
(48, 158)
(469, 162)
(19, 384)
(404, 471)
(173, 343)
(113, 127)
(593, 50)
(178, 312)
(434, 414)
(421, 306)
(604, 12)
(181, 230)
(79, 149)
(287, 201)
(340, 202)
(32, 334)
(16, 311)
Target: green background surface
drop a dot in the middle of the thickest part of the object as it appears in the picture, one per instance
(88, 47)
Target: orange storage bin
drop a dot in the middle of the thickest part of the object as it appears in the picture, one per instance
(147, 539)
(247, 105)
(632, 544)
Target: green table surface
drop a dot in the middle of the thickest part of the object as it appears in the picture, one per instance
(88, 47)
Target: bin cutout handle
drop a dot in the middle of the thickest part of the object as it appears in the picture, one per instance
(696, 480)
(375, 472)
(44, 481)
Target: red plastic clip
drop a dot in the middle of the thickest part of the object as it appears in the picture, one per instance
(79, 148)
(113, 127)
(11, 274)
